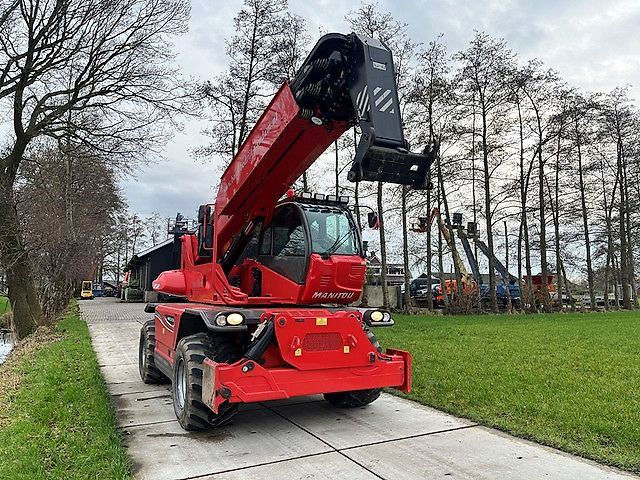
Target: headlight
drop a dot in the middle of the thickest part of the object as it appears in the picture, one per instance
(235, 319)
(221, 320)
(386, 317)
(376, 316)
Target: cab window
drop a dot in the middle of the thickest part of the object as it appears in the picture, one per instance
(288, 234)
(331, 231)
(283, 245)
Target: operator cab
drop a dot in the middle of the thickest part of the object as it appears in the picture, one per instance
(310, 247)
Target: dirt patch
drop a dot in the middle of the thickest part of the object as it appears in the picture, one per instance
(10, 375)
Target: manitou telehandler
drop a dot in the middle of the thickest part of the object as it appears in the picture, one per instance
(268, 275)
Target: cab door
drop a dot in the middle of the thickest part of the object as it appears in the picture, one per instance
(284, 245)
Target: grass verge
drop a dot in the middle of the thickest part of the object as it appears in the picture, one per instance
(571, 381)
(4, 305)
(56, 420)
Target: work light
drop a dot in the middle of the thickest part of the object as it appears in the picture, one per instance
(235, 318)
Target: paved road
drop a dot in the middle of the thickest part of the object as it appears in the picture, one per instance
(391, 439)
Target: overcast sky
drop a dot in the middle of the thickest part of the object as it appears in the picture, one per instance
(593, 44)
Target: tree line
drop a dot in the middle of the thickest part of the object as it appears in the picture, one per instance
(87, 91)
(546, 169)
(90, 89)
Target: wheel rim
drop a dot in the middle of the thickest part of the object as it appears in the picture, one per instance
(181, 383)
(143, 355)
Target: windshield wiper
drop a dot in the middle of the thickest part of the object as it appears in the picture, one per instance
(332, 249)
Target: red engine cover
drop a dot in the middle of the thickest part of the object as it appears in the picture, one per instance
(338, 279)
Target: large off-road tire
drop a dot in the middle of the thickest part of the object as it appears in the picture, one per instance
(357, 398)
(190, 410)
(146, 362)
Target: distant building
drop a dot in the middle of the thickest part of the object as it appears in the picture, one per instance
(145, 267)
(395, 271)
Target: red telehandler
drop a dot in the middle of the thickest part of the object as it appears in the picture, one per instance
(269, 275)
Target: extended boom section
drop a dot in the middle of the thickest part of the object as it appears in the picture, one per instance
(346, 80)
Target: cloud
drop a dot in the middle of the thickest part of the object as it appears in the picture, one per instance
(591, 43)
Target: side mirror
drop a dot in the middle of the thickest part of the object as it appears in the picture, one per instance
(373, 220)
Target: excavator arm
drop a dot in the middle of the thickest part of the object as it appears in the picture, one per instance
(346, 80)
(470, 256)
(446, 233)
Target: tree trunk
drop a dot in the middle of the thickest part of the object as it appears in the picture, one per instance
(630, 268)
(617, 280)
(556, 219)
(570, 298)
(607, 270)
(356, 189)
(507, 292)
(443, 283)
(585, 219)
(473, 193)
(27, 313)
(528, 298)
(546, 303)
(250, 79)
(405, 252)
(608, 212)
(429, 256)
(487, 205)
(452, 246)
(622, 211)
(383, 249)
(364, 301)
(523, 298)
(556, 228)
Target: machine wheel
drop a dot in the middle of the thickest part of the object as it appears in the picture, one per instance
(146, 362)
(191, 411)
(357, 398)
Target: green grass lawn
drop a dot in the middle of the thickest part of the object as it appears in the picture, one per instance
(58, 422)
(571, 381)
(4, 305)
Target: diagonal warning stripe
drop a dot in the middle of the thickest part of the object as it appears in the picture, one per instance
(381, 98)
(386, 105)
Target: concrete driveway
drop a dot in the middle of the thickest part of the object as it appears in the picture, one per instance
(306, 438)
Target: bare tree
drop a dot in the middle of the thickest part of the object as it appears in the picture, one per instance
(263, 52)
(155, 228)
(618, 124)
(431, 101)
(581, 116)
(484, 76)
(61, 258)
(539, 86)
(524, 178)
(94, 73)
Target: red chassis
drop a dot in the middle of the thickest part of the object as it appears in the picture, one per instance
(316, 350)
